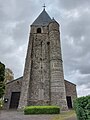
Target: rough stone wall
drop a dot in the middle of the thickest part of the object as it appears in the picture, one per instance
(43, 81)
(26, 76)
(12, 86)
(15, 86)
(35, 84)
(39, 81)
(58, 93)
(70, 90)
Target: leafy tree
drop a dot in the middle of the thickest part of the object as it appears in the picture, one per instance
(2, 75)
(9, 75)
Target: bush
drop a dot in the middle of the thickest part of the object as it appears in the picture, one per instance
(82, 108)
(41, 110)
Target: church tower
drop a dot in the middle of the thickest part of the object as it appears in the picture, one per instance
(43, 79)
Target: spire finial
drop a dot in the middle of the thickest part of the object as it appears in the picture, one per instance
(44, 6)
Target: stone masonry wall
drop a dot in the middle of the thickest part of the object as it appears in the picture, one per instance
(12, 86)
(58, 93)
(39, 83)
(70, 90)
(24, 97)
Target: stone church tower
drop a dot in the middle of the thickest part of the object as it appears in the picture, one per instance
(43, 79)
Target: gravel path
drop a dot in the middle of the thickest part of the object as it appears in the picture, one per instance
(72, 118)
(14, 115)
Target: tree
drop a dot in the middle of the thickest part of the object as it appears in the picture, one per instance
(9, 75)
(2, 76)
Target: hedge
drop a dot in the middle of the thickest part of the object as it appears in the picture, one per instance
(82, 108)
(41, 110)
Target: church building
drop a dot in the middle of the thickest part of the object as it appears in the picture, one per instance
(43, 81)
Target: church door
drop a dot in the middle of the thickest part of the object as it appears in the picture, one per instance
(69, 102)
(15, 96)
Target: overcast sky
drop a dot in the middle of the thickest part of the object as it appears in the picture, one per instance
(16, 16)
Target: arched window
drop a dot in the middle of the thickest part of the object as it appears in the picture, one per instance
(48, 43)
(38, 30)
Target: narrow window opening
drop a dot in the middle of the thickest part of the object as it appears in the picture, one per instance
(38, 30)
(48, 43)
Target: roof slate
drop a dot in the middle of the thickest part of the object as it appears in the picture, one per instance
(42, 19)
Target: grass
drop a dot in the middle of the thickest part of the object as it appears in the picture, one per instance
(65, 115)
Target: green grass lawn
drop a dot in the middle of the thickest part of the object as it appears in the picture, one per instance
(65, 115)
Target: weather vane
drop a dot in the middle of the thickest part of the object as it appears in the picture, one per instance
(44, 6)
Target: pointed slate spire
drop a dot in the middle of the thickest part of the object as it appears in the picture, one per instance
(42, 19)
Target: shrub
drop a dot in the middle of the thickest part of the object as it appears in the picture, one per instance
(82, 108)
(41, 110)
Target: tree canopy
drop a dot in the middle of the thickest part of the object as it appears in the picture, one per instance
(2, 76)
(9, 75)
